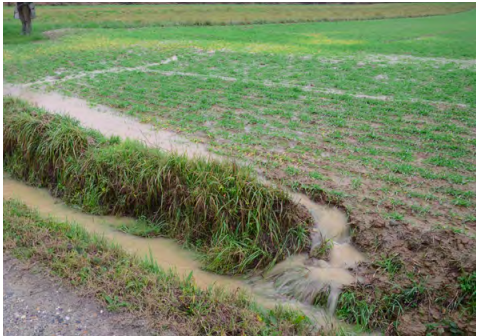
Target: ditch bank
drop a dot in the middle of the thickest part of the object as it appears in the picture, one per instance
(221, 210)
(378, 298)
(92, 266)
(236, 223)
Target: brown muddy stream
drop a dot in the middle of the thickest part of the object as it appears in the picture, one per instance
(294, 282)
(166, 252)
(108, 121)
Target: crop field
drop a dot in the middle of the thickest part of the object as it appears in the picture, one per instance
(114, 16)
(375, 117)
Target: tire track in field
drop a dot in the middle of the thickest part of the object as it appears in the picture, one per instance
(146, 69)
(54, 80)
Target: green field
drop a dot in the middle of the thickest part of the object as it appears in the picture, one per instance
(376, 116)
(114, 16)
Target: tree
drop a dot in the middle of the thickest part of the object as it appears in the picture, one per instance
(25, 11)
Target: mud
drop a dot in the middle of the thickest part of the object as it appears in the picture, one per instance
(397, 59)
(436, 259)
(109, 122)
(58, 33)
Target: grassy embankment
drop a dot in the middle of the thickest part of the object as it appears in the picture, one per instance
(94, 266)
(219, 209)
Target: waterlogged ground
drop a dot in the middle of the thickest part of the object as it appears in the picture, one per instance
(379, 115)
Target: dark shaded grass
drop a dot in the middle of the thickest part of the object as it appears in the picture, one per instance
(218, 208)
(121, 281)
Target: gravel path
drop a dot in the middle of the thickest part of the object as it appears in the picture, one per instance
(35, 304)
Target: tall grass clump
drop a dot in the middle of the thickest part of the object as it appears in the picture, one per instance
(220, 209)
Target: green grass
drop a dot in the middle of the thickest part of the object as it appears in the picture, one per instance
(467, 285)
(220, 209)
(391, 264)
(121, 281)
(143, 228)
(120, 16)
(383, 312)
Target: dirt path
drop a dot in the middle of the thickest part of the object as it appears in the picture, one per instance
(35, 303)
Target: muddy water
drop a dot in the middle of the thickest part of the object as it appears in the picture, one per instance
(305, 278)
(166, 252)
(333, 223)
(296, 281)
(108, 121)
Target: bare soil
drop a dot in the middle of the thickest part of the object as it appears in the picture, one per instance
(36, 303)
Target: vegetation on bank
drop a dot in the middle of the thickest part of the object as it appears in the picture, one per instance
(121, 281)
(218, 208)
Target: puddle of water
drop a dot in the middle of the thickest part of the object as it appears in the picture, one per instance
(108, 121)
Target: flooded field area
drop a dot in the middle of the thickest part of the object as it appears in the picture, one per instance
(321, 173)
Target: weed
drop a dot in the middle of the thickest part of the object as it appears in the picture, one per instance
(292, 171)
(353, 306)
(462, 202)
(322, 250)
(467, 284)
(356, 183)
(316, 176)
(395, 216)
(391, 264)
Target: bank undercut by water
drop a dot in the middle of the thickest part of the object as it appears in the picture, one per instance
(218, 208)
(120, 281)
